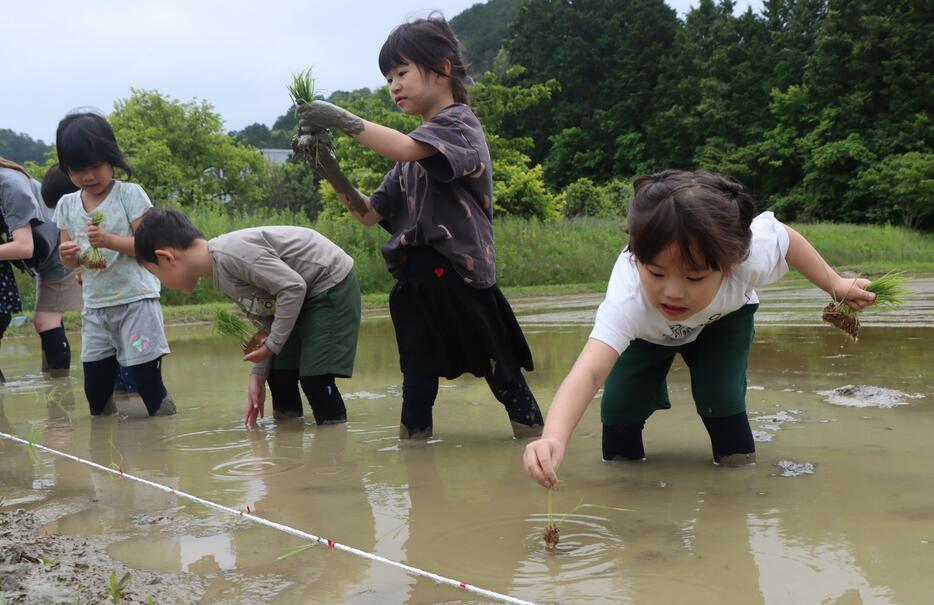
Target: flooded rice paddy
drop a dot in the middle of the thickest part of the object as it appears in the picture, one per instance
(839, 508)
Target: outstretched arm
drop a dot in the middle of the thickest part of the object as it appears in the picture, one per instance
(541, 457)
(389, 143)
(809, 263)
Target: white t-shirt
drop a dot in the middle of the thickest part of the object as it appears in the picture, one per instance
(626, 314)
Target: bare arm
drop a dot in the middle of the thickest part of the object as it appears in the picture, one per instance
(20, 245)
(593, 365)
(99, 238)
(803, 257)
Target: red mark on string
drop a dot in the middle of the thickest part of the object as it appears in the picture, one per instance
(330, 543)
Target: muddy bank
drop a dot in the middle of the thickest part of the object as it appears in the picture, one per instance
(40, 567)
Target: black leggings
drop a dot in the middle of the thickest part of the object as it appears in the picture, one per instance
(419, 393)
(324, 397)
(99, 383)
(56, 348)
(728, 435)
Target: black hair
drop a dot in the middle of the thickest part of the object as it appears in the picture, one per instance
(84, 139)
(55, 184)
(427, 43)
(163, 228)
(706, 216)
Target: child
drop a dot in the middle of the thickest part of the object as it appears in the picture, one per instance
(448, 313)
(9, 293)
(34, 244)
(683, 285)
(55, 185)
(295, 280)
(122, 318)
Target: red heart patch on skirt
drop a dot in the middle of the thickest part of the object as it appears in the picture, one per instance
(439, 272)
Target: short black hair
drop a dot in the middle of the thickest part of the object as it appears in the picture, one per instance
(55, 184)
(84, 139)
(163, 228)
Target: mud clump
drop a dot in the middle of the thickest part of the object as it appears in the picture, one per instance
(258, 340)
(551, 536)
(845, 322)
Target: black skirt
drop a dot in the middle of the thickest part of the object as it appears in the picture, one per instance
(444, 327)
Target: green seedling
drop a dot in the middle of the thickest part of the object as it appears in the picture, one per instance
(297, 550)
(34, 434)
(93, 259)
(890, 291)
(230, 324)
(302, 88)
(116, 462)
(552, 533)
(116, 587)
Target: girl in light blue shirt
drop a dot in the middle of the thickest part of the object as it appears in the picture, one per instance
(122, 319)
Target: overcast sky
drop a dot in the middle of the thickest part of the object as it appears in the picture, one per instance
(236, 54)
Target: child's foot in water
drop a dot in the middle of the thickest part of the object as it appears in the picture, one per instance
(167, 408)
(414, 433)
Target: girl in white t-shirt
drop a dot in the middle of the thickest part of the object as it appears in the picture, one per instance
(684, 284)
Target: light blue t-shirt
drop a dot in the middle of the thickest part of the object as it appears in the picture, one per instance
(123, 281)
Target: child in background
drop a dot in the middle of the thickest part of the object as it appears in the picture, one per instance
(122, 319)
(56, 184)
(684, 284)
(295, 280)
(448, 313)
(33, 245)
(9, 293)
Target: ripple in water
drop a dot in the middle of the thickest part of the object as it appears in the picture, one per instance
(790, 468)
(210, 441)
(866, 396)
(254, 467)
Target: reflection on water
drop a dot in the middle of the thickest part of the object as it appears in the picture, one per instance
(839, 509)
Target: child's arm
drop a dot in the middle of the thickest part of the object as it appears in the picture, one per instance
(20, 245)
(803, 257)
(317, 148)
(389, 143)
(593, 365)
(99, 238)
(68, 250)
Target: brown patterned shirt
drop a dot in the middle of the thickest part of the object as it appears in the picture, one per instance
(445, 200)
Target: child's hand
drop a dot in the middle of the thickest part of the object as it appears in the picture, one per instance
(97, 237)
(255, 399)
(68, 252)
(319, 115)
(541, 459)
(851, 291)
(261, 354)
(78, 276)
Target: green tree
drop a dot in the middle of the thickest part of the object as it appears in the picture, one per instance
(902, 189)
(180, 152)
(21, 148)
(482, 28)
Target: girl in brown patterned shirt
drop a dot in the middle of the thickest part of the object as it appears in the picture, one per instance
(436, 202)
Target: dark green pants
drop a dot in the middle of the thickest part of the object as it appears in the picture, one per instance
(324, 339)
(718, 358)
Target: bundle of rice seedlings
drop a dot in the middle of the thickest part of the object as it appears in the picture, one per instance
(889, 290)
(302, 90)
(230, 324)
(93, 259)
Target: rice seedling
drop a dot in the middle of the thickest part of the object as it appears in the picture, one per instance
(302, 88)
(552, 533)
(34, 433)
(230, 324)
(297, 550)
(890, 291)
(116, 457)
(93, 259)
(116, 587)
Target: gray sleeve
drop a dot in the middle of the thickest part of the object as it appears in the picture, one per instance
(19, 203)
(274, 276)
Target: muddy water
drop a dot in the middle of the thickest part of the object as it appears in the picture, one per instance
(839, 509)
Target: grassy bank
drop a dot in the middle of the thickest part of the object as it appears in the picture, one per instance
(532, 253)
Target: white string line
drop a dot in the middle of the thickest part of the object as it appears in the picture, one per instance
(331, 544)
